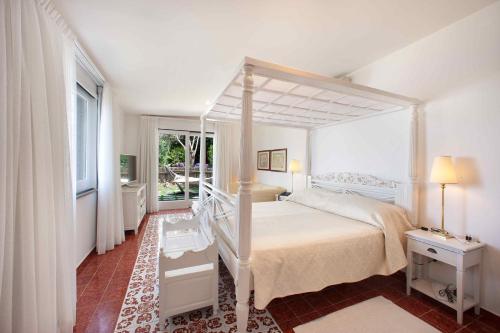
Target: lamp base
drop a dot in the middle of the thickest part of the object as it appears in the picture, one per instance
(443, 234)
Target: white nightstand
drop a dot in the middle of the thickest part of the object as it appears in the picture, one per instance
(453, 252)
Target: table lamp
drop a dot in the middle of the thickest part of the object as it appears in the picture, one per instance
(443, 172)
(294, 167)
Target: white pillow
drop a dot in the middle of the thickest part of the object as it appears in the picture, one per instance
(353, 206)
(311, 197)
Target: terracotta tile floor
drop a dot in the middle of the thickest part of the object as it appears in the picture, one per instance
(103, 280)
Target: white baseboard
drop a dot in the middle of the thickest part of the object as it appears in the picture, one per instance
(85, 256)
(177, 204)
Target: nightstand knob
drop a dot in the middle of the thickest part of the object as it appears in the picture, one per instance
(431, 250)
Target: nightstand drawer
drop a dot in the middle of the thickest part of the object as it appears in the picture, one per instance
(433, 252)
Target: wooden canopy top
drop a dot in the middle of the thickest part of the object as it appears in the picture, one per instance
(289, 97)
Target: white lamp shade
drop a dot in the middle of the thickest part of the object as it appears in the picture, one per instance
(443, 171)
(294, 166)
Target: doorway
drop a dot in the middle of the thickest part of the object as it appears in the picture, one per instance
(179, 167)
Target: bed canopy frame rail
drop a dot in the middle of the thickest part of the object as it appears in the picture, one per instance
(273, 94)
(289, 97)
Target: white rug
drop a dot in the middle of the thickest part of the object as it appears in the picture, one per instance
(374, 315)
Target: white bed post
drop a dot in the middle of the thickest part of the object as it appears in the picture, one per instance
(244, 204)
(202, 159)
(412, 193)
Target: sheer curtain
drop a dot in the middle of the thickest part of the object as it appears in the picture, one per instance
(37, 263)
(109, 196)
(148, 160)
(227, 147)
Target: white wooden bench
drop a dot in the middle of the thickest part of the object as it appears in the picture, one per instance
(188, 267)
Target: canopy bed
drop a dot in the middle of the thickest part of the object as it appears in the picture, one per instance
(273, 247)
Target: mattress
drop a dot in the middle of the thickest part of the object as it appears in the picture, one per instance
(298, 249)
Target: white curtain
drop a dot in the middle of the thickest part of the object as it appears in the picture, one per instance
(110, 230)
(148, 160)
(227, 148)
(37, 262)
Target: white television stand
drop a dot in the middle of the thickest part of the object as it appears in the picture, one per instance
(134, 205)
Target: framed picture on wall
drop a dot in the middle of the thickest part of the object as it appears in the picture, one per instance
(278, 160)
(263, 160)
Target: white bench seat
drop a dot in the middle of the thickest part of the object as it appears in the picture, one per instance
(188, 268)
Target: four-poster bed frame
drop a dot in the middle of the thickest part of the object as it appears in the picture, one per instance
(266, 93)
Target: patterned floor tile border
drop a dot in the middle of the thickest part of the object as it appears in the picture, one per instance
(139, 312)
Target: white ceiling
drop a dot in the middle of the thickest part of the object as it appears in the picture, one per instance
(170, 57)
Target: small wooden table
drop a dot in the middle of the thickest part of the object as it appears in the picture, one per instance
(453, 252)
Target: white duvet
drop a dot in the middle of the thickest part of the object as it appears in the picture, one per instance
(319, 238)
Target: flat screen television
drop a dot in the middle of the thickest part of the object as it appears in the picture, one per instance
(127, 168)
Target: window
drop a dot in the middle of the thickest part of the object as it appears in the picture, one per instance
(81, 137)
(86, 141)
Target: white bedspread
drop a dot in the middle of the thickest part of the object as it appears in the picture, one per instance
(297, 249)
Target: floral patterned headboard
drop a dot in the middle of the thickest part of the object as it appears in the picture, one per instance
(367, 185)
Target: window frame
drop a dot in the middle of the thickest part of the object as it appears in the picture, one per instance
(89, 184)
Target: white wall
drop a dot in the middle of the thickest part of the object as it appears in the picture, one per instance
(378, 146)
(457, 70)
(273, 137)
(181, 124)
(130, 134)
(86, 224)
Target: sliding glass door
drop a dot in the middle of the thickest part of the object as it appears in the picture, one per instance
(179, 167)
(194, 170)
(171, 166)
